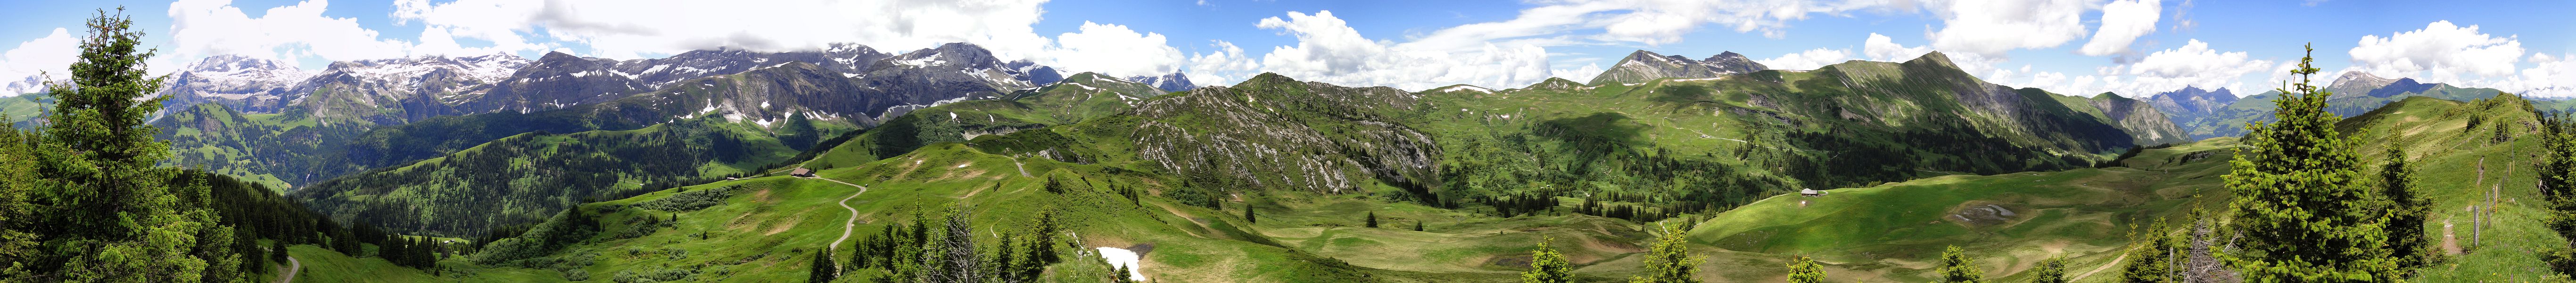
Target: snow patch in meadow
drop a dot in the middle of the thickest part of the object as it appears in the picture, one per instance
(1122, 257)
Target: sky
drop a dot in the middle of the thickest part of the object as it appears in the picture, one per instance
(2075, 47)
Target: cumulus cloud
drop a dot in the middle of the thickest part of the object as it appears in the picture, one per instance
(212, 27)
(1807, 60)
(2553, 76)
(1328, 50)
(1881, 48)
(2193, 64)
(2122, 23)
(1990, 27)
(2441, 52)
(1114, 50)
(1223, 66)
(52, 54)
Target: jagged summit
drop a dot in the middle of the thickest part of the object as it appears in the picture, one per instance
(2355, 81)
(1170, 82)
(1642, 66)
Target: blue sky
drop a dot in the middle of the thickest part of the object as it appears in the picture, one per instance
(2131, 47)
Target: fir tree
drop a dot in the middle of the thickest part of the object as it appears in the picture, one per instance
(2052, 270)
(1417, 225)
(2303, 216)
(1956, 267)
(1247, 214)
(2406, 211)
(2558, 186)
(823, 269)
(1805, 270)
(1670, 260)
(1372, 219)
(2150, 259)
(97, 163)
(1548, 266)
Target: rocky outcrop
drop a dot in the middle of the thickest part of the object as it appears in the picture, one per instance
(1643, 66)
(1264, 133)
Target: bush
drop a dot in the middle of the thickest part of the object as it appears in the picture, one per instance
(689, 201)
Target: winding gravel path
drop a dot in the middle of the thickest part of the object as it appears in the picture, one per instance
(293, 266)
(853, 222)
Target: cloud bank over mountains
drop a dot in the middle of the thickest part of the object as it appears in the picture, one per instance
(1529, 46)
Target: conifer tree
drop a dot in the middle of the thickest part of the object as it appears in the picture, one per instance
(1372, 219)
(1247, 214)
(1670, 260)
(823, 270)
(115, 216)
(2052, 270)
(1956, 267)
(2558, 186)
(2303, 216)
(1417, 225)
(2407, 241)
(1805, 270)
(2150, 257)
(1548, 266)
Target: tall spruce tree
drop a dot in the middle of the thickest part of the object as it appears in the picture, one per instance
(1670, 260)
(2051, 270)
(823, 269)
(113, 216)
(2558, 187)
(1372, 219)
(1548, 266)
(1805, 270)
(2302, 213)
(2407, 241)
(2150, 256)
(1956, 267)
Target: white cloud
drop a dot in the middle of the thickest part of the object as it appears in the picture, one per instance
(1222, 67)
(1990, 27)
(1583, 74)
(1881, 48)
(635, 29)
(52, 54)
(2553, 76)
(2441, 52)
(1114, 50)
(1328, 50)
(2122, 23)
(211, 27)
(2193, 64)
(1807, 60)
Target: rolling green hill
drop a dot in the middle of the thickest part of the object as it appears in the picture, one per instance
(1890, 231)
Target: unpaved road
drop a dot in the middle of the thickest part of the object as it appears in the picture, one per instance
(292, 266)
(2106, 266)
(853, 222)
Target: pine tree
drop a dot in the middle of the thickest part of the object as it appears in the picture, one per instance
(18, 178)
(823, 270)
(1670, 260)
(1548, 266)
(1805, 270)
(2051, 270)
(1956, 267)
(2407, 241)
(2303, 216)
(2150, 259)
(2558, 186)
(1372, 219)
(1417, 225)
(98, 161)
(1247, 214)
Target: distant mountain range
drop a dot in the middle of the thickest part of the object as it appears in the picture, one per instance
(2208, 114)
(1643, 66)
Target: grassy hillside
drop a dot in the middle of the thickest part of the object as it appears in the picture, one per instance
(1892, 232)
(524, 178)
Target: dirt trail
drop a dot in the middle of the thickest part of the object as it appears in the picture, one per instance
(292, 266)
(1024, 170)
(853, 222)
(2105, 266)
(2450, 244)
